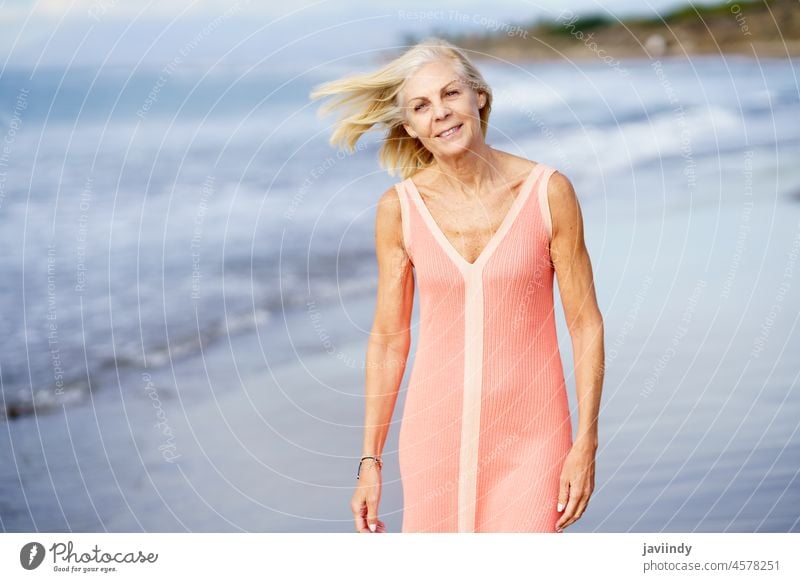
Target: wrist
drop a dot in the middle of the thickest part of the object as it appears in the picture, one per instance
(586, 442)
(371, 461)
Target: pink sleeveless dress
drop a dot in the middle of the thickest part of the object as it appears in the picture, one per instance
(486, 423)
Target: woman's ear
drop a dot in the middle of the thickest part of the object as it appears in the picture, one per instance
(409, 131)
(481, 100)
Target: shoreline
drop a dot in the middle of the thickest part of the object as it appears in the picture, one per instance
(767, 51)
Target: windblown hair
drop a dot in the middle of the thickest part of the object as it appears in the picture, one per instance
(369, 99)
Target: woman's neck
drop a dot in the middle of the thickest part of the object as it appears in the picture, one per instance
(470, 173)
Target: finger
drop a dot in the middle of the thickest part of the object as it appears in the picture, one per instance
(581, 506)
(584, 501)
(372, 513)
(563, 494)
(563, 500)
(372, 520)
(578, 503)
(360, 513)
(566, 517)
(380, 528)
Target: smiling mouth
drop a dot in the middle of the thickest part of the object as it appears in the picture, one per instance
(449, 132)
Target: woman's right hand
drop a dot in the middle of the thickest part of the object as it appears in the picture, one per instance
(366, 498)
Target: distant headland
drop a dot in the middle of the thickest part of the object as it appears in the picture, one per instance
(759, 29)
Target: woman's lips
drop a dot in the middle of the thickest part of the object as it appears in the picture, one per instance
(451, 132)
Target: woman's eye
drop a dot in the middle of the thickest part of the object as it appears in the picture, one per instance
(451, 92)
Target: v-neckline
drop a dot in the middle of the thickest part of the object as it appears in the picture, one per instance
(494, 241)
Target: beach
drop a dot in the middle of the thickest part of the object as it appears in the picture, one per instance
(238, 405)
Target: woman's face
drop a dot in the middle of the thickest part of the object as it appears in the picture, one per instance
(436, 100)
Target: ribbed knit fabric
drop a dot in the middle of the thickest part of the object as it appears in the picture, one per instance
(486, 423)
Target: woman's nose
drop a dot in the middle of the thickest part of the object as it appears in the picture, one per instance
(441, 111)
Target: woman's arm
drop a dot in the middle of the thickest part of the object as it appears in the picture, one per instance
(576, 285)
(585, 323)
(390, 338)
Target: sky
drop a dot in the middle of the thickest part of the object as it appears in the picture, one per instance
(151, 32)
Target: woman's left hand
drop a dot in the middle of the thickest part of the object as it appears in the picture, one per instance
(576, 484)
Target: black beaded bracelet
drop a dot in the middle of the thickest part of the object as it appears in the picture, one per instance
(376, 459)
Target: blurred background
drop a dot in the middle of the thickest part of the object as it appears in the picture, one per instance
(188, 268)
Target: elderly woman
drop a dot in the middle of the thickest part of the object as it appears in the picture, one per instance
(485, 440)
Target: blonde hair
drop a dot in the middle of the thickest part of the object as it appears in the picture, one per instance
(369, 99)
